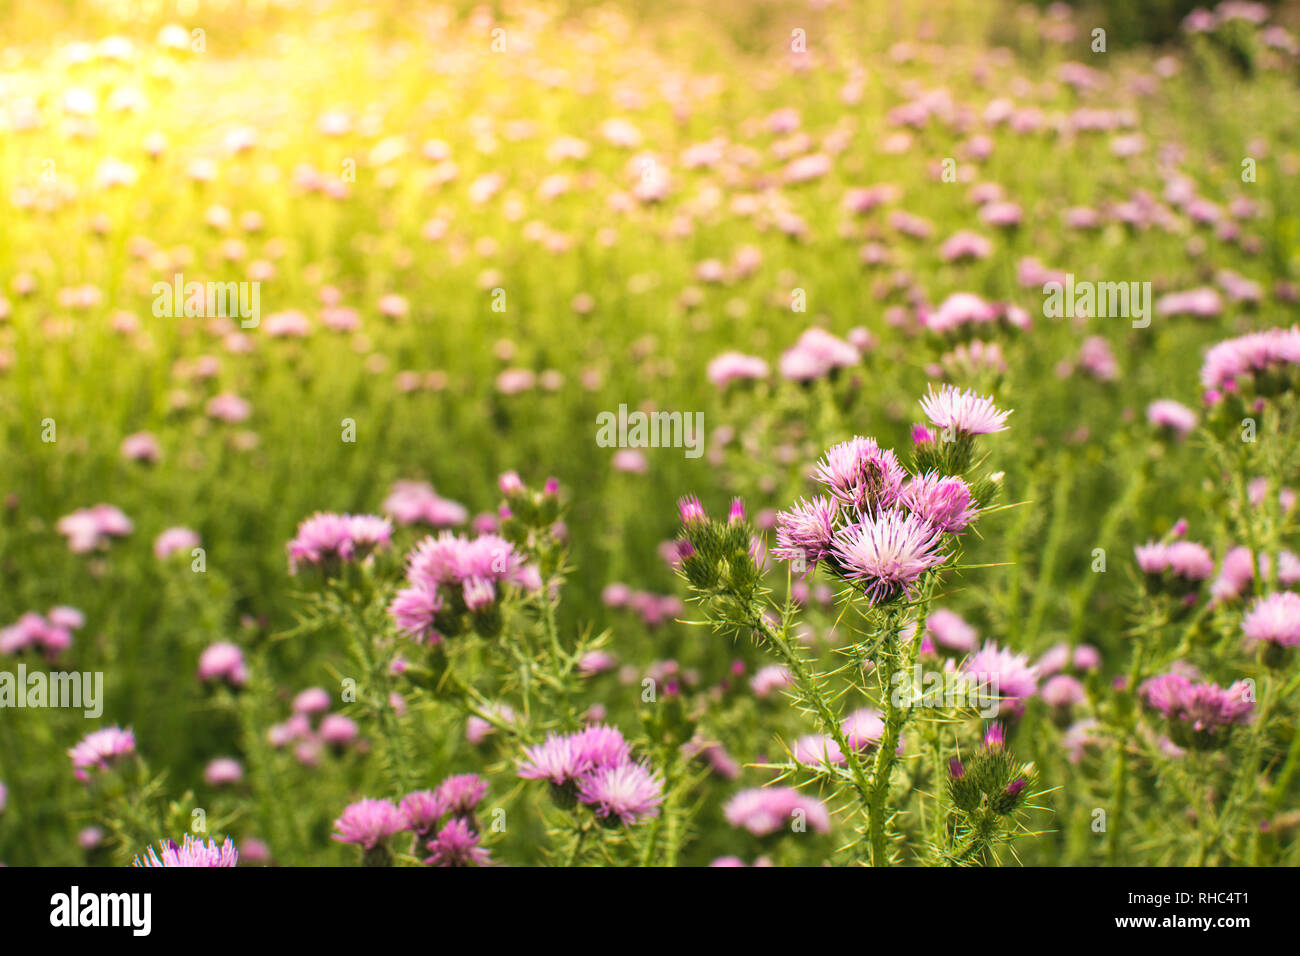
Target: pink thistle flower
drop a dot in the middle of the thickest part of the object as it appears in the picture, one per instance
(690, 510)
(141, 446)
(67, 617)
(368, 823)
(815, 750)
(596, 662)
(734, 367)
(600, 746)
(1204, 708)
(807, 531)
(191, 852)
(965, 245)
(461, 793)
(457, 845)
(89, 528)
(1190, 560)
(223, 661)
(175, 540)
(887, 553)
(816, 354)
(863, 729)
(765, 811)
(965, 413)
(101, 749)
(412, 502)
(337, 730)
(222, 772)
(313, 700)
(1274, 619)
(422, 810)
(861, 474)
(477, 729)
(1171, 415)
(770, 679)
(627, 792)
(945, 502)
(324, 539)
(1062, 691)
(1006, 674)
(553, 760)
(229, 408)
(950, 630)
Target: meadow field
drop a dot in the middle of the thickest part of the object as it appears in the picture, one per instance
(790, 434)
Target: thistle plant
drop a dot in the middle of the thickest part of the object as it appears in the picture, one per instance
(888, 536)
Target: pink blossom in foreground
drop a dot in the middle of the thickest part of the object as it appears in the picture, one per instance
(887, 553)
(943, 501)
(456, 844)
(966, 413)
(861, 474)
(627, 792)
(191, 852)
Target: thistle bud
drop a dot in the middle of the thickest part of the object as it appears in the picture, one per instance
(737, 514)
(691, 511)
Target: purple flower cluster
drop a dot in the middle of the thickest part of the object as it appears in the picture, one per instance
(51, 634)
(596, 766)
(1235, 364)
(653, 609)
(310, 729)
(1181, 563)
(1203, 708)
(816, 354)
(328, 540)
(878, 526)
(452, 574)
(90, 528)
(454, 842)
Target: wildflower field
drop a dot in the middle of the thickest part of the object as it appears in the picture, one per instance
(734, 434)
